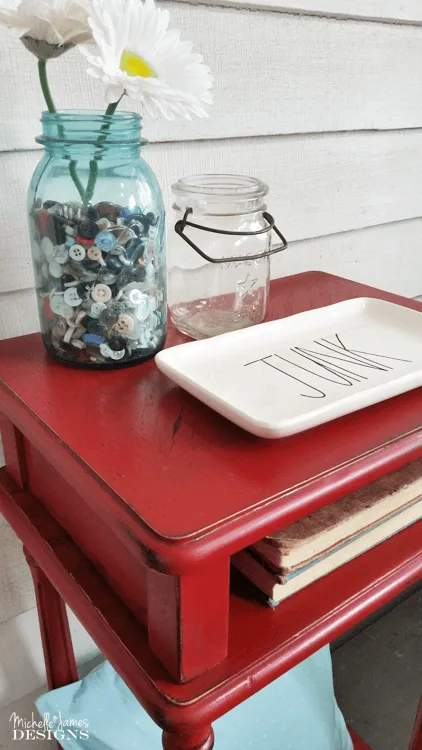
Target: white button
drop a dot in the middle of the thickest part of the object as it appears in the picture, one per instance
(117, 355)
(125, 324)
(97, 308)
(71, 297)
(70, 231)
(142, 310)
(135, 333)
(59, 306)
(105, 350)
(55, 269)
(77, 252)
(101, 293)
(61, 254)
(44, 270)
(47, 247)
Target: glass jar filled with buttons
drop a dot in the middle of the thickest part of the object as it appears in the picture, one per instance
(219, 254)
(96, 222)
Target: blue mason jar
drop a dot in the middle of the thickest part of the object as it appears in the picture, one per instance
(96, 223)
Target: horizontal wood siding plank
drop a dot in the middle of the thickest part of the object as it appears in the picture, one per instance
(278, 74)
(18, 313)
(388, 11)
(320, 185)
(386, 256)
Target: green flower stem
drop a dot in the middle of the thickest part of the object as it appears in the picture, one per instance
(93, 167)
(42, 70)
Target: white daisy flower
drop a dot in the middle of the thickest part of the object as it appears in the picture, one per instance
(47, 27)
(136, 54)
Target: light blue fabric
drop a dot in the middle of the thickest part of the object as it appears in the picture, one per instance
(296, 712)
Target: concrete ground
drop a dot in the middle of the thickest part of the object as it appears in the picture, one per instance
(378, 676)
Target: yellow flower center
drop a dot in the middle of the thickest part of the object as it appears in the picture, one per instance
(134, 65)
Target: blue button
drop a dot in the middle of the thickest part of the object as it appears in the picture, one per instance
(106, 241)
(93, 339)
(70, 242)
(128, 212)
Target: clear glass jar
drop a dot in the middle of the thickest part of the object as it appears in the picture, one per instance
(96, 223)
(219, 254)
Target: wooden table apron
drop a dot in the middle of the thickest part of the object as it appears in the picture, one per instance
(130, 501)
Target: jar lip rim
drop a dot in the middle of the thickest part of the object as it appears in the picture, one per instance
(89, 115)
(230, 186)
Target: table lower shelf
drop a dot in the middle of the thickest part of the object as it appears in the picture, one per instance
(264, 642)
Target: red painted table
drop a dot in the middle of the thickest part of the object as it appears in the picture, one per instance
(130, 496)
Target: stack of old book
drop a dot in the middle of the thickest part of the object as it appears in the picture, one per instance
(298, 555)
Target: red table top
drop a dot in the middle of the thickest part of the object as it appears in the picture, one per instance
(187, 473)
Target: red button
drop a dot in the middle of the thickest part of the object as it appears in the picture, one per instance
(84, 241)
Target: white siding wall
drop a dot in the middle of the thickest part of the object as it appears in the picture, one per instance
(320, 98)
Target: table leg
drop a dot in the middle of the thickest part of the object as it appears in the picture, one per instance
(203, 740)
(188, 619)
(57, 644)
(416, 740)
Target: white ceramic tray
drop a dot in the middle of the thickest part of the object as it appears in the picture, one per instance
(289, 375)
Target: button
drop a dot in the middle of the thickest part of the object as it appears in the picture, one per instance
(125, 324)
(77, 252)
(118, 355)
(137, 297)
(44, 270)
(59, 306)
(78, 344)
(93, 213)
(55, 269)
(84, 240)
(70, 231)
(42, 220)
(93, 339)
(88, 229)
(47, 247)
(124, 235)
(103, 224)
(84, 289)
(117, 343)
(105, 350)
(135, 333)
(106, 241)
(70, 241)
(109, 211)
(128, 212)
(97, 308)
(61, 254)
(94, 253)
(113, 263)
(151, 218)
(59, 328)
(101, 293)
(72, 298)
(94, 326)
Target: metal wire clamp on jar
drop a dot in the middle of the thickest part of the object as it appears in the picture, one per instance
(219, 254)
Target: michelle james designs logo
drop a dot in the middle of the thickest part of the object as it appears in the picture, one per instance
(48, 728)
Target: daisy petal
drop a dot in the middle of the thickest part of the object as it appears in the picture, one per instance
(135, 53)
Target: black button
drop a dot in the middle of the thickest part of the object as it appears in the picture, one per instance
(117, 343)
(88, 229)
